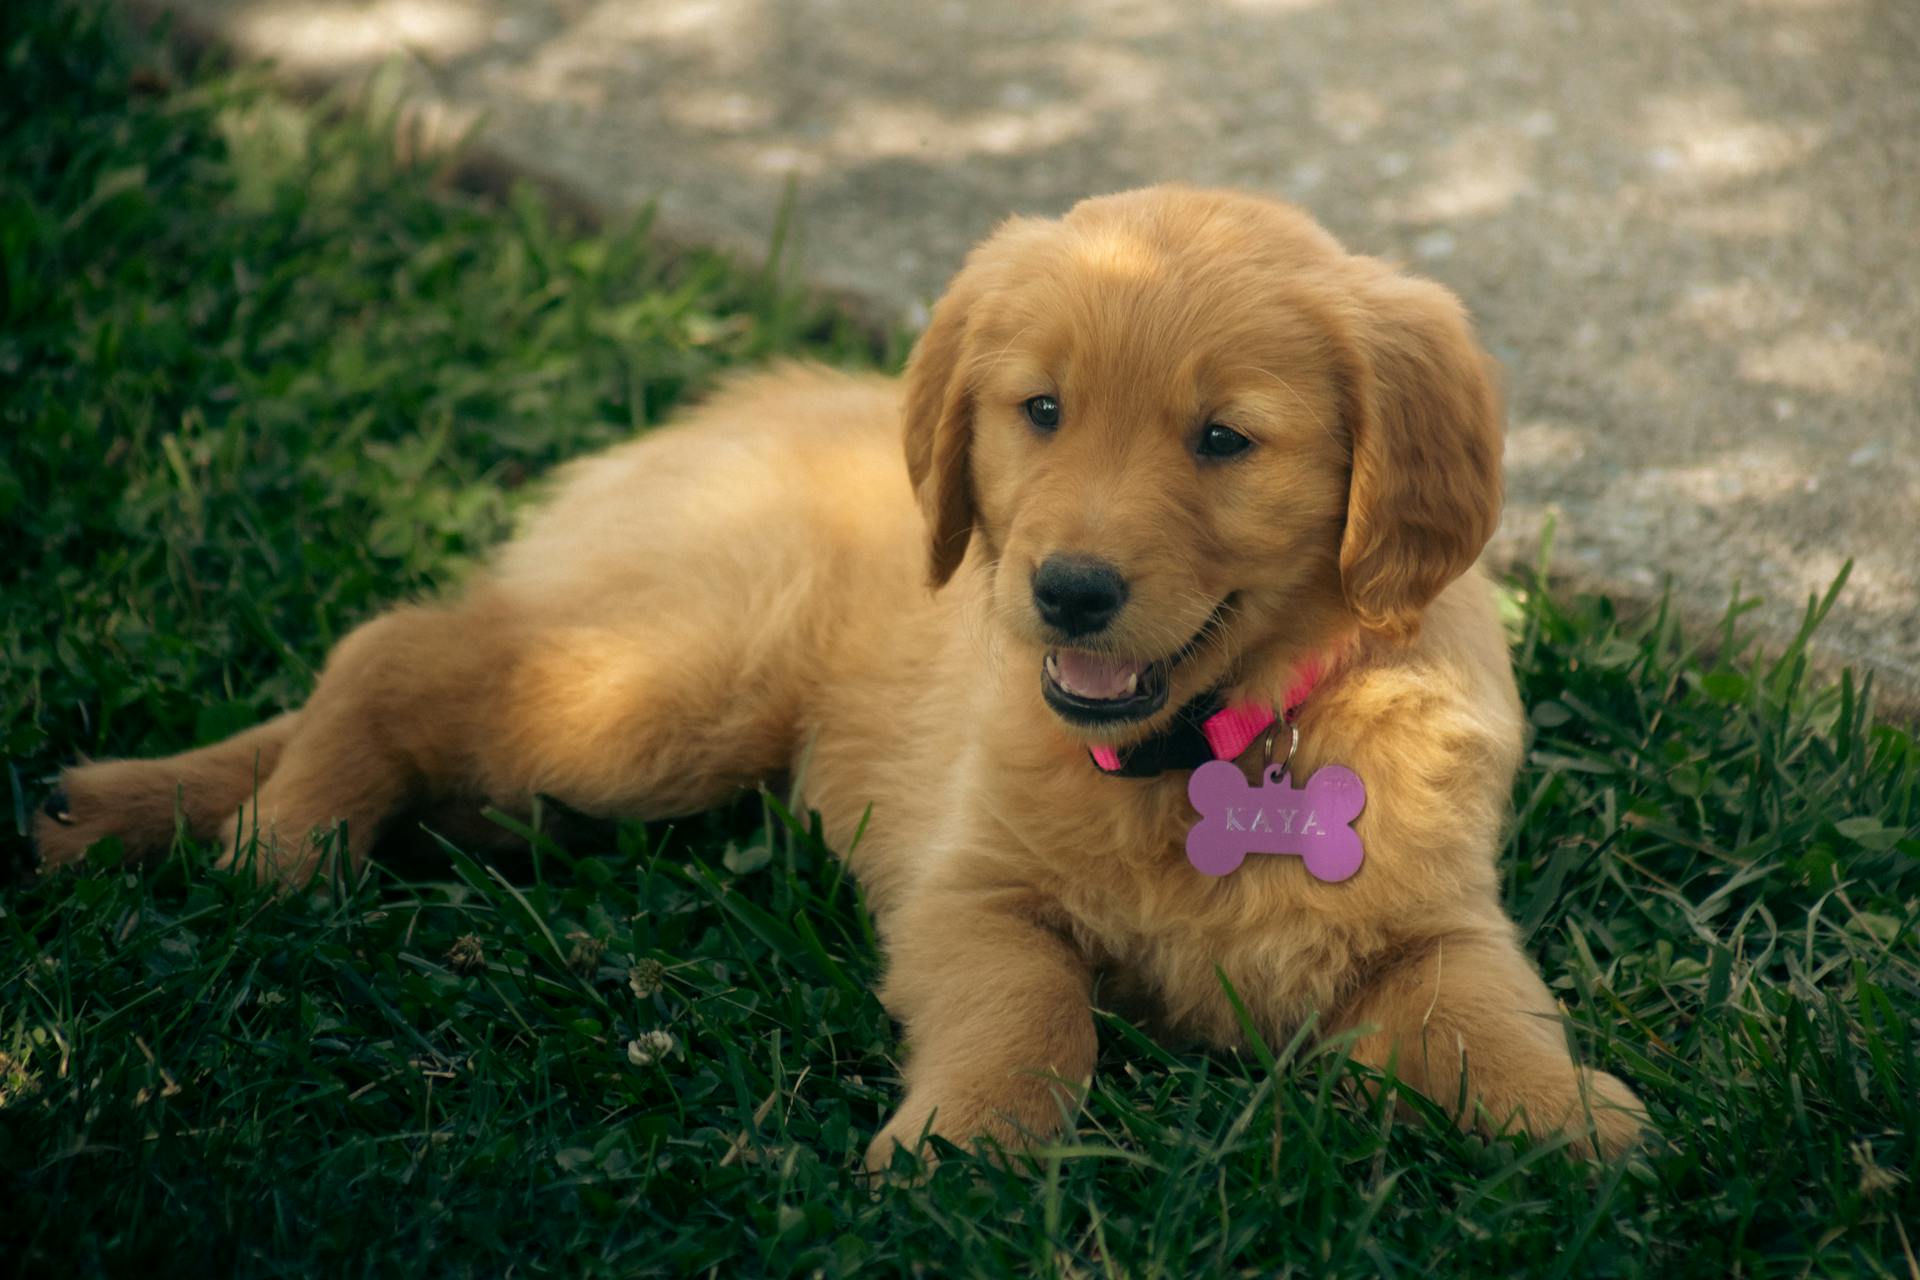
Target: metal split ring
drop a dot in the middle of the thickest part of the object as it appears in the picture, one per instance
(1293, 743)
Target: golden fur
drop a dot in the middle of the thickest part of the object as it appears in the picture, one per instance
(748, 592)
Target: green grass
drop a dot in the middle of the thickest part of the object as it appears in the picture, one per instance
(260, 377)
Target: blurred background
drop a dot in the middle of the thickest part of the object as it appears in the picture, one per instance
(1688, 231)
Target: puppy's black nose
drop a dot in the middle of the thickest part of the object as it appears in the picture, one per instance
(1078, 595)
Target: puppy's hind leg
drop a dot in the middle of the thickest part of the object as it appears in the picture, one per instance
(633, 717)
(389, 725)
(496, 700)
(447, 709)
(143, 802)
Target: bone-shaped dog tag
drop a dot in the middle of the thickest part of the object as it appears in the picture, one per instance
(1314, 821)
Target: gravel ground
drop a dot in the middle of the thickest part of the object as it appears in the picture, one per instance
(1689, 231)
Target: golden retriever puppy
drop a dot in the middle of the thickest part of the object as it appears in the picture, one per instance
(1175, 463)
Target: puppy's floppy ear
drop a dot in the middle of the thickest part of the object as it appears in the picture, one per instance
(1424, 412)
(939, 429)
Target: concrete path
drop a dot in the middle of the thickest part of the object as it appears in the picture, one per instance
(1691, 231)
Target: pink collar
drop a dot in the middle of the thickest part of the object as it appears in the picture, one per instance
(1231, 730)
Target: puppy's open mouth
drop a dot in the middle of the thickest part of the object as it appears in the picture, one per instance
(1103, 689)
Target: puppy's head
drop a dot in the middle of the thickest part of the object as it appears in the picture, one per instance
(1188, 430)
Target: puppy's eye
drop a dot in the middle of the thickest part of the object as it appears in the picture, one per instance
(1043, 412)
(1217, 441)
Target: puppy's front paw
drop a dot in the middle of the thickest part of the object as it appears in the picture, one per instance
(1619, 1119)
(1037, 1109)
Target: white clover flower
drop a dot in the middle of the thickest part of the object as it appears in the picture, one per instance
(650, 1048)
(644, 979)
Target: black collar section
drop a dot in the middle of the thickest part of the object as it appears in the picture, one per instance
(1181, 745)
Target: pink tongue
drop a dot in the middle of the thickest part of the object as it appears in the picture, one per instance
(1094, 675)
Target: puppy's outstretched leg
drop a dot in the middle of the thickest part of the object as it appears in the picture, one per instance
(142, 801)
(998, 1017)
(392, 722)
(1475, 1006)
(493, 699)
(386, 717)
(498, 699)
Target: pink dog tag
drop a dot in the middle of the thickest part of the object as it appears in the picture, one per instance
(1314, 821)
